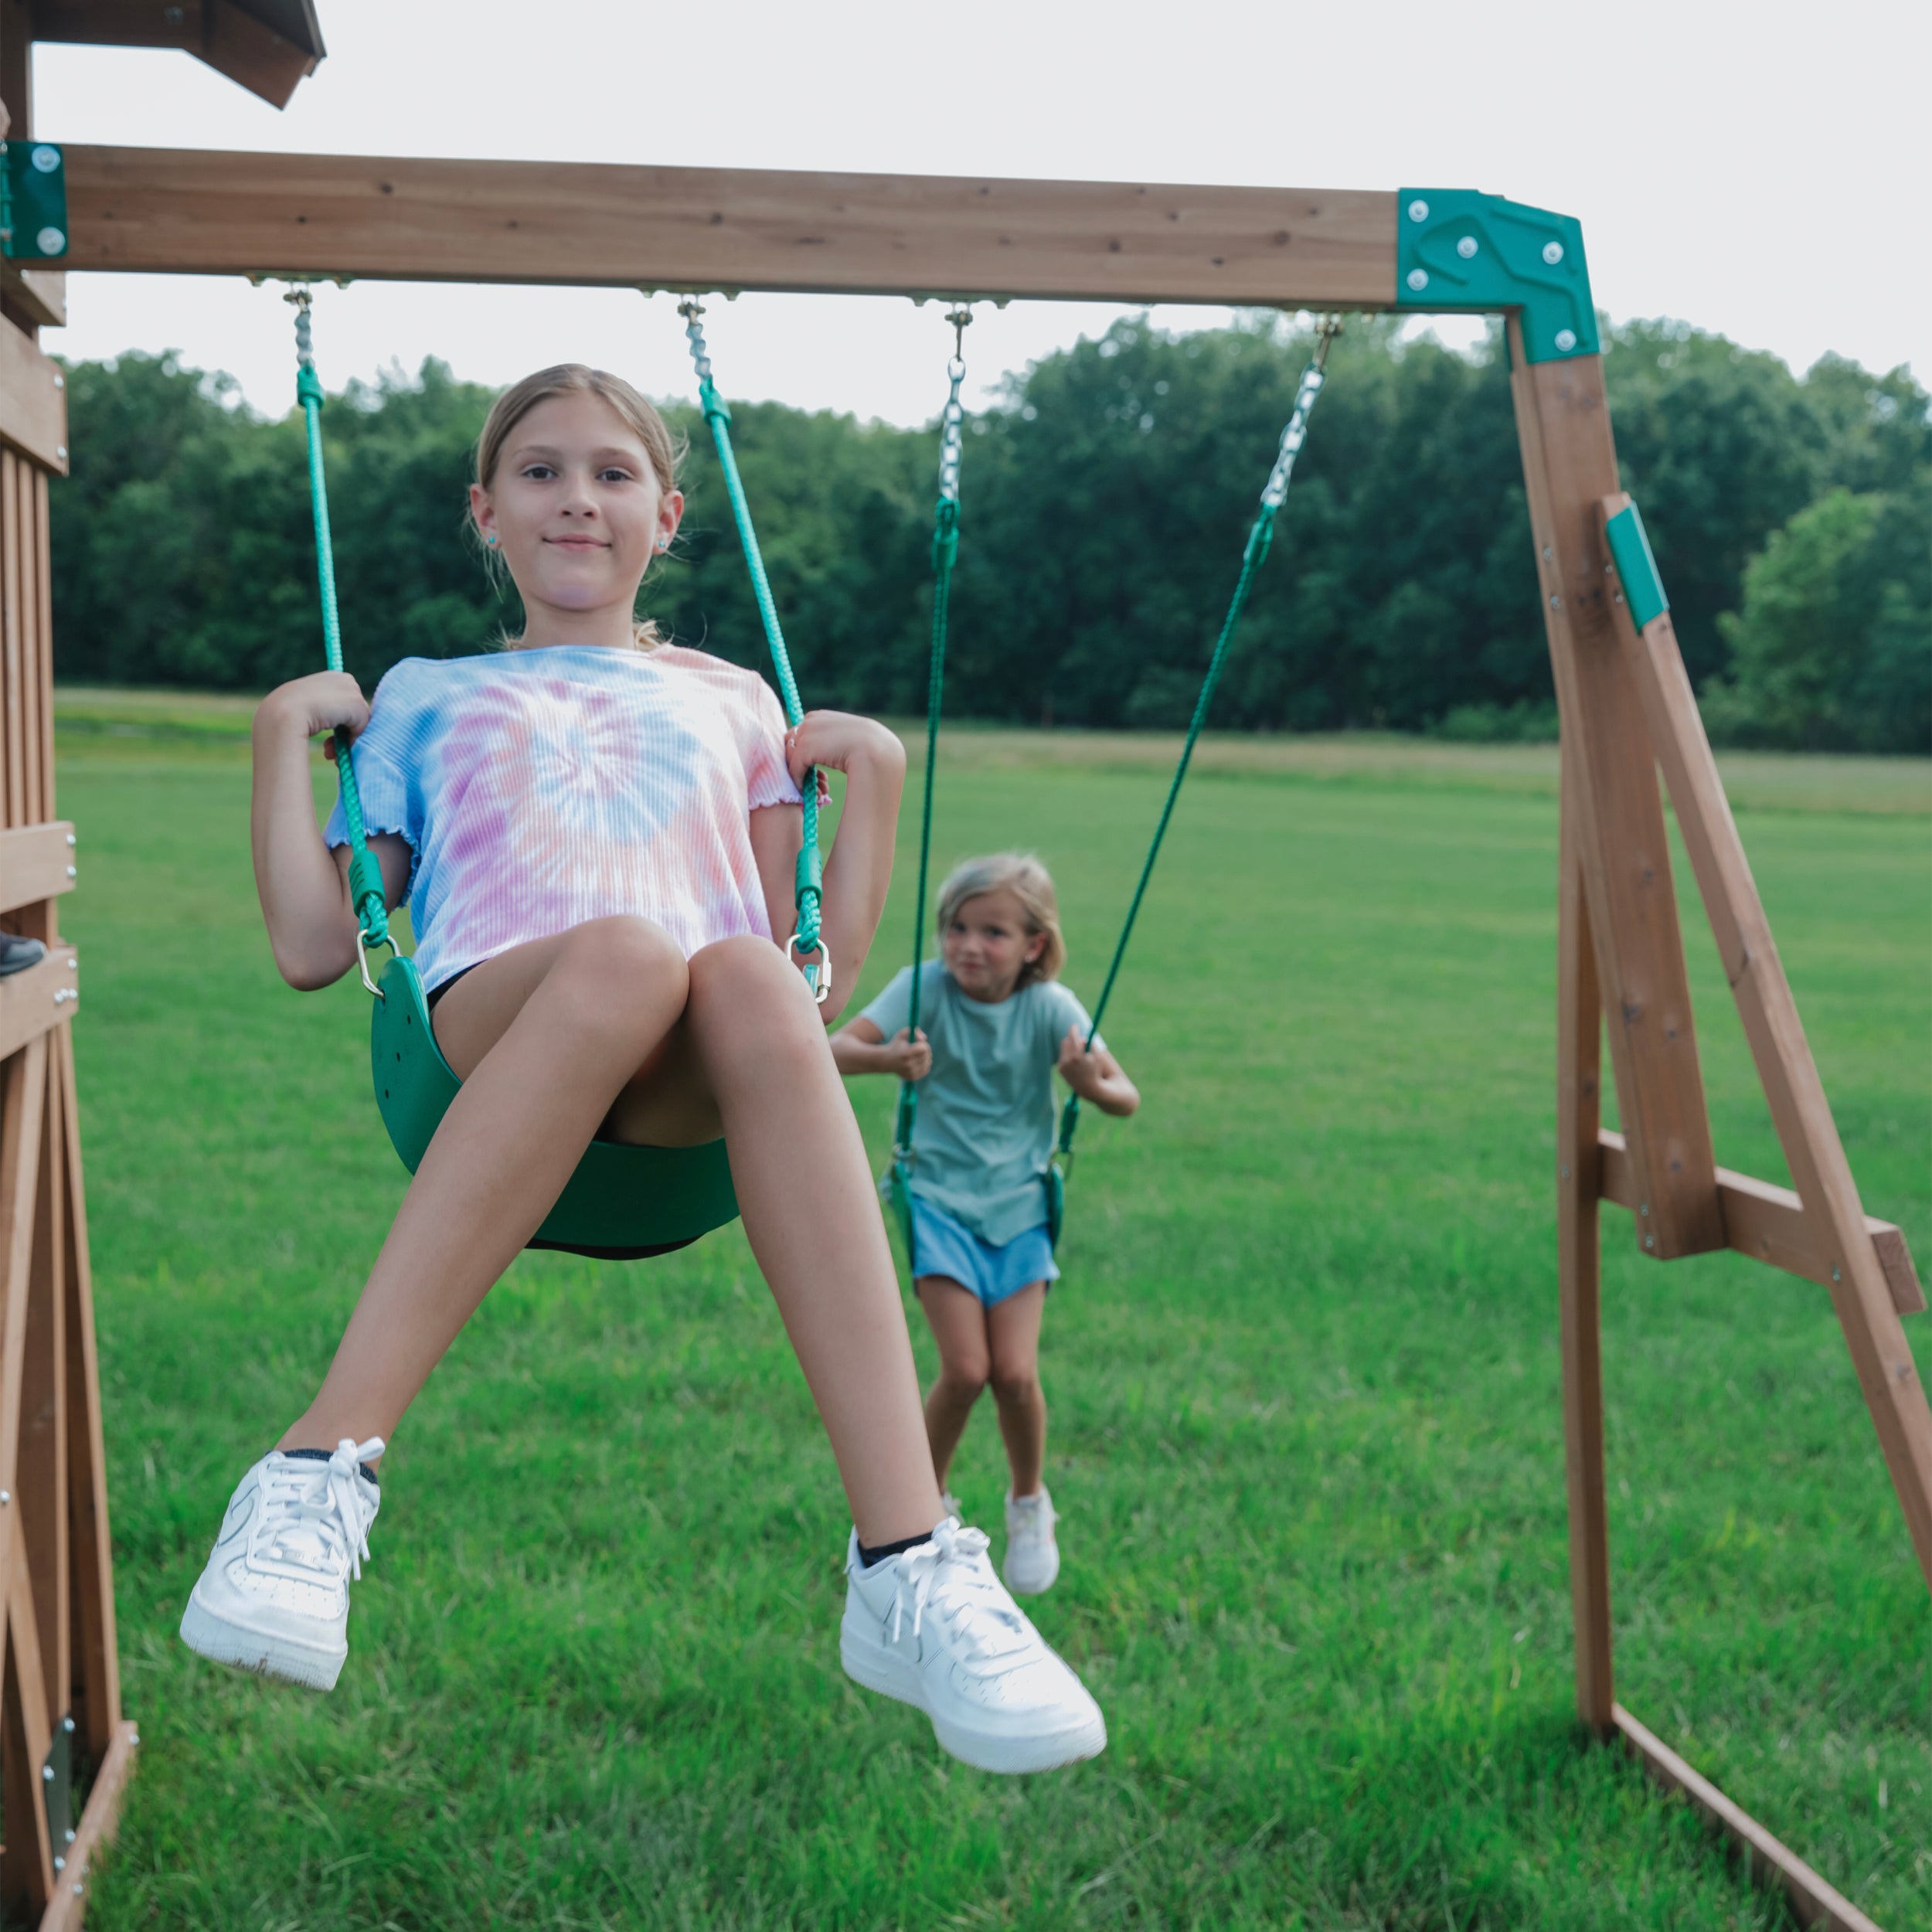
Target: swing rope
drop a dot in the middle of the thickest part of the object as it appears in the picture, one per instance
(1260, 535)
(364, 874)
(945, 554)
(809, 889)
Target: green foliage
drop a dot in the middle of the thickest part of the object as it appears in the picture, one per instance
(1307, 1421)
(1833, 649)
(1107, 496)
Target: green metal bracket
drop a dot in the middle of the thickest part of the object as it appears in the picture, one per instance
(33, 202)
(1461, 252)
(1636, 568)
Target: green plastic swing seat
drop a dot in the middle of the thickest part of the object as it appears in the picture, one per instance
(622, 1203)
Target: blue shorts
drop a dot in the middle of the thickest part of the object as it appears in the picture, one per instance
(943, 1246)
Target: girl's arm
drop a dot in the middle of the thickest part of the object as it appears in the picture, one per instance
(859, 868)
(859, 1047)
(1097, 1076)
(304, 886)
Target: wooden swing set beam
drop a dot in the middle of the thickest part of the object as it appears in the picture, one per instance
(184, 211)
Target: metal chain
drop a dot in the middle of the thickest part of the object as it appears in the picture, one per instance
(365, 888)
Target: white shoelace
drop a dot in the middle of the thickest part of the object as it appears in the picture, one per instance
(951, 1575)
(312, 1513)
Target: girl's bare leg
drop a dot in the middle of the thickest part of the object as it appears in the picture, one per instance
(1012, 1326)
(577, 1015)
(805, 1191)
(958, 1323)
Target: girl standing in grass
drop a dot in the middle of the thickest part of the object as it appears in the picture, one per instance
(596, 832)
(998, 1024)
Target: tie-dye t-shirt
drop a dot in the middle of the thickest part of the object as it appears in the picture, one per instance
(537, 789)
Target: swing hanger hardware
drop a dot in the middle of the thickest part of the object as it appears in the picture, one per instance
(363, 943)
(961, 316)
(297, 281)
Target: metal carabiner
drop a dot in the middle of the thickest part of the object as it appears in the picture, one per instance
(817, 977)
(363, 942)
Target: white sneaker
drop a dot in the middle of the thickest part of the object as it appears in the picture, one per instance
(274, 1596)
(1032, 1556)
(935, 1628)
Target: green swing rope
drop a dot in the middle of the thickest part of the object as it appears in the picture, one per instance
(809, 890)
(945, 554)
(1260, 535)
(364, 874)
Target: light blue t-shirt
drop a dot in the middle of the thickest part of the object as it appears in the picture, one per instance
(986, 1116)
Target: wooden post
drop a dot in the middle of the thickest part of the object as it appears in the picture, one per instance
(1563, 422)
(60, 1683)
(1579, 1270)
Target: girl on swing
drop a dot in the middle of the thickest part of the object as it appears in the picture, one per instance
(998, 1025)
(596, 831)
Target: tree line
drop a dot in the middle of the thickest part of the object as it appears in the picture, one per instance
(1107, 492)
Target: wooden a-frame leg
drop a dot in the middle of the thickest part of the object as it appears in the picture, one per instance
(1888, 1376)
(1579, 1109)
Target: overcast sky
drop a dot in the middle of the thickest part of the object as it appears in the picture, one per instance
(1759, 169)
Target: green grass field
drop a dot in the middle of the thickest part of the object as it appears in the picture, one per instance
(1303, 1370)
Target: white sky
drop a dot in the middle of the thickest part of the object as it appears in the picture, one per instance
(1759, 169)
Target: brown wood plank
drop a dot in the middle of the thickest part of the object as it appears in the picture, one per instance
(23, 1122)
(1861, 1294)
(40, 999)
(573, 223)
(26, 1859)
(1813, 1901)
(1579, 1275)
(1562, 420)
(37, 862)
(38, 297)
(97, 1657)
(33, 400)
(43, 542)
(31, 698)
(65, 1912)
(13, 810)
(40, 1475)
(1769, 1223)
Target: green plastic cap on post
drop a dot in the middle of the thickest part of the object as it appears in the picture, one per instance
(1636, 567)
(810, 877)
(33, 201)
(715, 409)
(1461, 252)
(308, 386)
(945, 534)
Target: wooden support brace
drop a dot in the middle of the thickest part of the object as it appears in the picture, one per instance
(1861, 1294)
(34, 1001)
(1769, 1223)
(33, 401)
(1814, 1902)
(36, 862)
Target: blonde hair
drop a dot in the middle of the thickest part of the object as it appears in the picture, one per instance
(664, 450)
(1023, 875)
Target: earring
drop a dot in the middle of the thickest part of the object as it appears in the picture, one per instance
(664, 543)
(491, 540)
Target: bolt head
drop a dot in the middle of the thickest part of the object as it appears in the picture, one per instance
(60, 450)
(1552, 253)
(1566, 339)
(46, 1771)
(59, 381)
(45, 159)
(1418, 279)
(60, 1865)
(1466, 246)
(6, 1495)
(50, 241)
(66, 1724)
(1418, 209)
(1650, 1241)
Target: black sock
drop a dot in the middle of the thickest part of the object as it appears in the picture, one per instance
(328, 1455)
(872, 1553)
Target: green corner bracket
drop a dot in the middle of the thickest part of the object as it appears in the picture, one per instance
(33, 202)
(1461, 252)
(1636, 568)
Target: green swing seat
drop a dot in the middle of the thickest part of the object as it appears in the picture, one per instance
(622, 1203)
